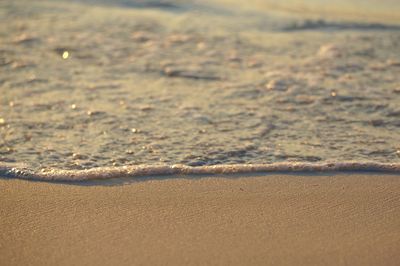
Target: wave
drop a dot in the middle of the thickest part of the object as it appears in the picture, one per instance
(338, 26)
(9, 171)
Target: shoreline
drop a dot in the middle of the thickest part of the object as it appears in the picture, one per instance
(100, 173)
(276, 219)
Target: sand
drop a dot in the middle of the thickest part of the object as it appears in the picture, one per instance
(331, 219)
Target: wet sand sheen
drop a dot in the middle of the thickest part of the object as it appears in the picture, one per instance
(350, 219)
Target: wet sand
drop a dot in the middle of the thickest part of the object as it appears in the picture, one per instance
(331, 219)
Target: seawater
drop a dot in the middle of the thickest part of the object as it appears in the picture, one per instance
(115, 87)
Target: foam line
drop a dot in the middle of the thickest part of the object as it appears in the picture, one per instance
(153, 170)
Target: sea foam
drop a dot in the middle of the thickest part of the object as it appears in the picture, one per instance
(165, 170)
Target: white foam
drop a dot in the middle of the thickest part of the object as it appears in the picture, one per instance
(8, 170)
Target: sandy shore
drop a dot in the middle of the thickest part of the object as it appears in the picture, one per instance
(340, 219)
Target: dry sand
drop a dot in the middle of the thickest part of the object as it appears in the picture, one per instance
(336, 219)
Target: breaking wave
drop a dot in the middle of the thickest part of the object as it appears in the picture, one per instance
(9, 171)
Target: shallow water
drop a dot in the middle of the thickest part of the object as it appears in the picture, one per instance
(89, 84)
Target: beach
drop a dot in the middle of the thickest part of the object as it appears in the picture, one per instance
(275, 219)
(215, 132)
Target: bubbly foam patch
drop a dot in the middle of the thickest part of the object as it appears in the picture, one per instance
(162, 170)
(165, 86)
